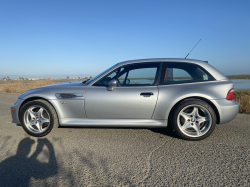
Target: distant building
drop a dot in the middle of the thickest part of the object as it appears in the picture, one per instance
(33, 79)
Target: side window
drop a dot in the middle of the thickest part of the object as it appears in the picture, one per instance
(205, 76)
(181, 75)
(104, 81)
(176, 73)
(144, 74)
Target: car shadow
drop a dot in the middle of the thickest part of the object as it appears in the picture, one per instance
(17, 170)
(166, 131)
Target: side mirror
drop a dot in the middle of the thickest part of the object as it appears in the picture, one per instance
(111, 84)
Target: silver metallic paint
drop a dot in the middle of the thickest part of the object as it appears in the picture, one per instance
(111, 84)
(130, 109)
(113, 122)
(228, 110)
(169, 95)
(122, 103)
(71, 108)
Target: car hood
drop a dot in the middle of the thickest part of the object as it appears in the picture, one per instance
(49, 91)
(75, 83)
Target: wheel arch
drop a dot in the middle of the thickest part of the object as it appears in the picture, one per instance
(36, 98)
(200, 98)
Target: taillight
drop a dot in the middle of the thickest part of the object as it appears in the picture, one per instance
(230, 94)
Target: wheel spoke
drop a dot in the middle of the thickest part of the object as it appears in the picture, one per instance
(186, 125)
(39, 126)
(32, 114)
(197, 128)
(201, 119)
(40, 113)
(44, 120)
(31, 122)
(185, 115)
(195, 112)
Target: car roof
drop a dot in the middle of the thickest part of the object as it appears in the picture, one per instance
(163, 60)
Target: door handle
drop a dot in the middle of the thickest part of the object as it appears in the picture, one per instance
(146, 94)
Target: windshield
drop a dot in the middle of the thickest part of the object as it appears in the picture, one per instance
(97, 76)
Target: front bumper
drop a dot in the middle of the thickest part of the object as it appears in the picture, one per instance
(15, 111)
(228, 110)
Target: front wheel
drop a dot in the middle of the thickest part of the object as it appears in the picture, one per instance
(193, 119)
(38, 117)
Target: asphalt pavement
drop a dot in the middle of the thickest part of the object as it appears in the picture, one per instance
(122, 156)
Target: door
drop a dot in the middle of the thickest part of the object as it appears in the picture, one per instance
(134, 97)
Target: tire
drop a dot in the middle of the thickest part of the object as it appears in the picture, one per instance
(38, 117)
(193, 119)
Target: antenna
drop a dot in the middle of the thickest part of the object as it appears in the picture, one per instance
(193, 48)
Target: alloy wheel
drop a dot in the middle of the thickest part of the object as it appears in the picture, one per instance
(36, 119)
(194, 120)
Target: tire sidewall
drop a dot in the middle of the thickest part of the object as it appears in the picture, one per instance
(182, 105)
(28, 105)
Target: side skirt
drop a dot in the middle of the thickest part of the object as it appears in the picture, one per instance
(113, 122)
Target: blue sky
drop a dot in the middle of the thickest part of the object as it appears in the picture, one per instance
(73, 38)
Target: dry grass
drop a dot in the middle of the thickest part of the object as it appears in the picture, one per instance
(243, 97)
(238, 76)
(21, 86)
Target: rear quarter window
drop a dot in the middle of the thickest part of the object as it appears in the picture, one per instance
(177, 73)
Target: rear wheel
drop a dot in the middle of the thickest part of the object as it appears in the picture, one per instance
(193, 119)
(38, 117)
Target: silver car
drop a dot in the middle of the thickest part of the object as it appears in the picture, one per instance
(189, 95)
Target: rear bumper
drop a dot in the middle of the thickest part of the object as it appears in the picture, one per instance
(228, 110)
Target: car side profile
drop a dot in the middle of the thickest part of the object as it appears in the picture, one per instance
(190, 95)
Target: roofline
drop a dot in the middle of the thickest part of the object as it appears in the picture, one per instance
(214, 72)
(164, 60)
